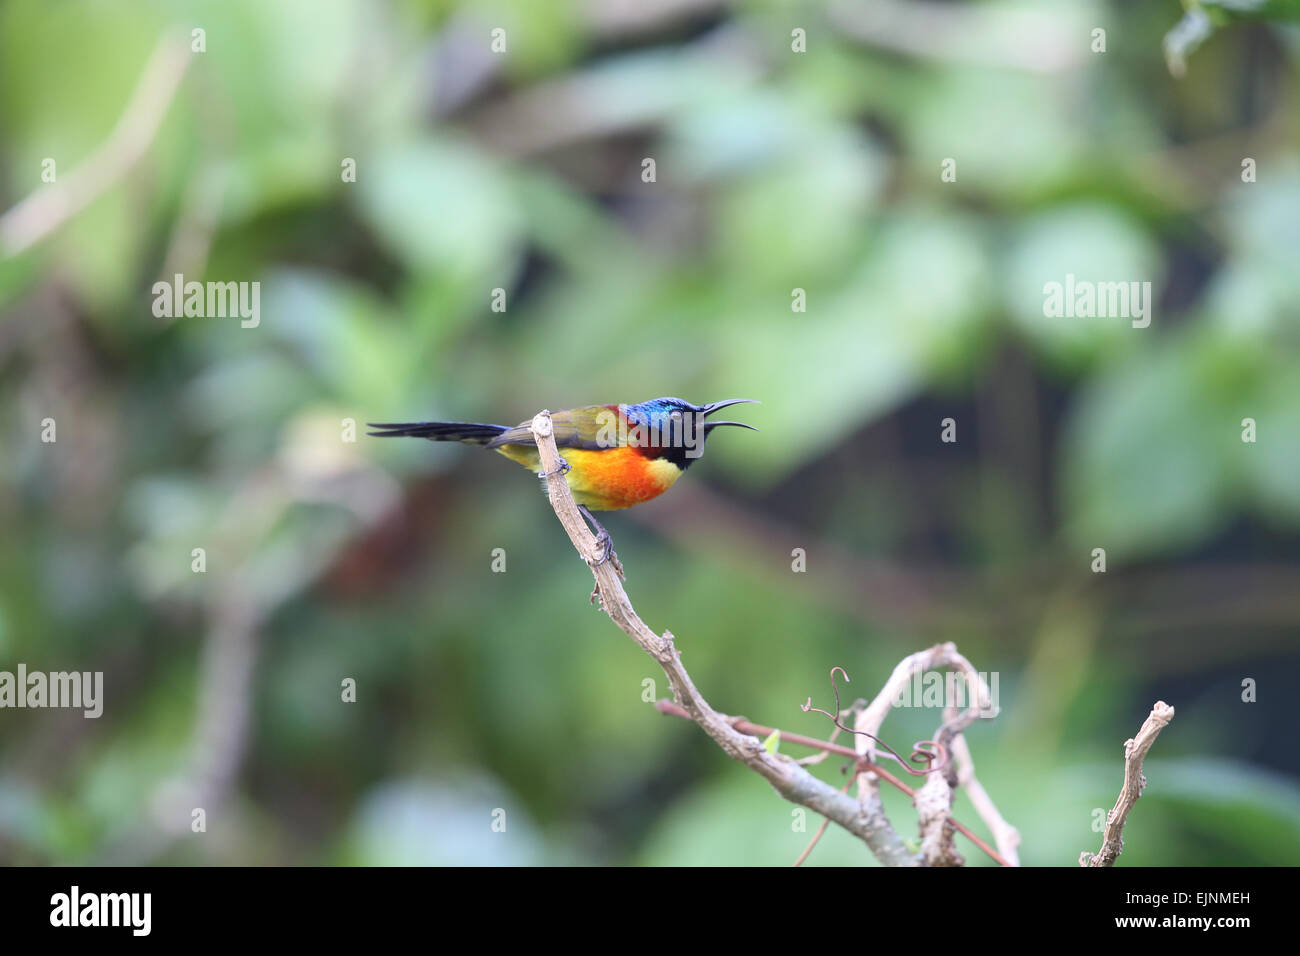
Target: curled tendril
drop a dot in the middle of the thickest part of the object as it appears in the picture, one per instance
(930, 753)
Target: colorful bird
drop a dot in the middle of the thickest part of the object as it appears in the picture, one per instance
(614, 456)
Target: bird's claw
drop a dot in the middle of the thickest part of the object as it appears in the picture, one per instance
(606, 545)
(562, 469)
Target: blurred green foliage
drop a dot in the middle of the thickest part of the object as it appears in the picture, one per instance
(480, 691)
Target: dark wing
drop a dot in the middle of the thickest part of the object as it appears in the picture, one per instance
(592, 427)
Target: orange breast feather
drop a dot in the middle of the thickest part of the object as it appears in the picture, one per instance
(617, 477)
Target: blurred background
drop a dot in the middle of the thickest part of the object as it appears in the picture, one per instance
(476, 691)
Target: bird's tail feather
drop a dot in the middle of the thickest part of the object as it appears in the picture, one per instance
(470, 433)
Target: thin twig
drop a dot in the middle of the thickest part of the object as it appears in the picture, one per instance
(821, 829)
(1005, 835)
(872, 717)
(1134, 782)
(934, 800)
(861, 764)
(932, 753)
(845, 714)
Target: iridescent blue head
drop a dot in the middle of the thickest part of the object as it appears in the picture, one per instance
(675, 429)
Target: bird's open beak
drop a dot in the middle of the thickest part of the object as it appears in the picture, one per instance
(708, 425)
(712, 407)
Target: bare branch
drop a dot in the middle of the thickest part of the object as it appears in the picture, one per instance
(934, 802)
(1005, 835)
(934, 816)
(872, 717)
(789, 779)
(1135, 750)
(828, 747)
(934, 799)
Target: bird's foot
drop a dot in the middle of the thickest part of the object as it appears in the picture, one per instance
(562, 469)
(604, 543)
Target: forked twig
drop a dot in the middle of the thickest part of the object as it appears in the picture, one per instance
(923, 751)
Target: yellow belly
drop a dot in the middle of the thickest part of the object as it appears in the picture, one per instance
(606, 479)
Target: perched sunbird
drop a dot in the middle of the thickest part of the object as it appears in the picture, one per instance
(614, 456)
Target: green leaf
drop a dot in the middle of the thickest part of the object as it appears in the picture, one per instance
(1094, 243)
(1144, 469)
(444, 208)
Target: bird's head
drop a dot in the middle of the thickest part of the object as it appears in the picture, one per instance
(675, 429)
